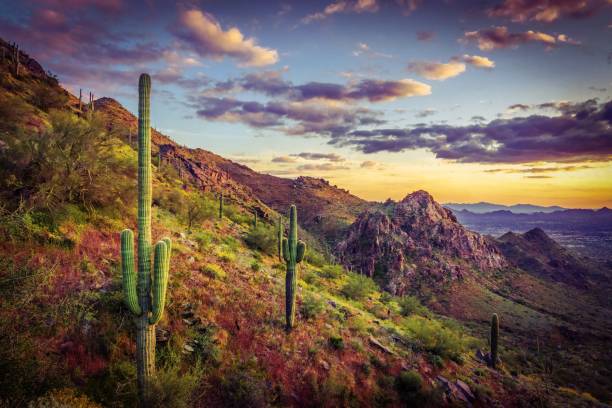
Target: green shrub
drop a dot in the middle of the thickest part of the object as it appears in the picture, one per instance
(332, 271)
(173, 389)
(255, 266)
(336, 343)
(436, 360)
(63, 397)
(358, 287)
(225, 254)
(411, 305)
(244, 385)
(204, 240)
(214, 271)
(311, 306)
(262, 238)
(408, 382)
(432, 336)
(314, 258)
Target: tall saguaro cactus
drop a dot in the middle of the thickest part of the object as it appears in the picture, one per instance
(220, 206)
(255, 219)
(145, 295)
(280, 235)
(293, 253)
(494, 339)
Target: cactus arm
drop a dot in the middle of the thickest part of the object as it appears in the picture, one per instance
(128, 273)
(301, 250)
(286, 254)
(160, 281)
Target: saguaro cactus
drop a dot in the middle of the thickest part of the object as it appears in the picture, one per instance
(220, 206)
(16, 59)
(144, 295)
(293, 253)
(280, 235)
(255, 219)
(494, 339)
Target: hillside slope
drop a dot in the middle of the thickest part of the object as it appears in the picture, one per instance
(69, 340)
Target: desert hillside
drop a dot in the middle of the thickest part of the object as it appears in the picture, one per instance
(393, 300)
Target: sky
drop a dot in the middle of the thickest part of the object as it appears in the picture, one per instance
(506, 101)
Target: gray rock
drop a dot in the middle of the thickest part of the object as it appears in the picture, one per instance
(380, 346)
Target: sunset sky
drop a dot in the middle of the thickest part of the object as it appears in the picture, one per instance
(505, 101)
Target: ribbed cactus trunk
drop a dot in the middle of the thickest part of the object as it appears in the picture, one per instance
(145, 337)
(293, 253)
(145, 295)
(494, 339)
(280, 234)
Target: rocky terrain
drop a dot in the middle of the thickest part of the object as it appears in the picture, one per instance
(415, 242)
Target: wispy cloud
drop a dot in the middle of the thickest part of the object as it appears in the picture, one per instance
(342, 6)
(545, 10)
(499, 37)
(332, 157)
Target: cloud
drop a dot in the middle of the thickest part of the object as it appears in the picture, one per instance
(579, 131)
(544, 10)
(538, 177)
(437, 71)
(271, 83)
(368, 164)
(364, 49)
(425, 35)
(477, 61)
(206, 37)
(551, 169)
(333, 157)
(426, 112)
(408, 6)
(290, 117)
(342, 6)
(284, 159)
(321, 167)
(499, 37)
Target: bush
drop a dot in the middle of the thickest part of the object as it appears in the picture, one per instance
(204, 240)
(432, 336)
(314, 258)
(172, 389)
(214, 271)
(332, 271)
(358, 287)
(255, 266)
(336, 342)
(411, 305)
(262, 238)
(225, 254)
(311, 306)
(64, 397)
(244, 385)
(409, 381)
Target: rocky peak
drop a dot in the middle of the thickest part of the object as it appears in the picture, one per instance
(413, 239)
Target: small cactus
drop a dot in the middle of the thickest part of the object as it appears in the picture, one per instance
(280, 235)
(220, 206)
(293, 253)
(494, 339)
(255, 219)
(144, 295)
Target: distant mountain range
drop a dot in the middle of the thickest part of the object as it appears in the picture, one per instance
(484, 207)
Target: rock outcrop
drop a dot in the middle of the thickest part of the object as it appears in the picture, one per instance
(415, 240)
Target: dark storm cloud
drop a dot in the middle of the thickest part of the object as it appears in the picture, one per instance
(581, 131)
